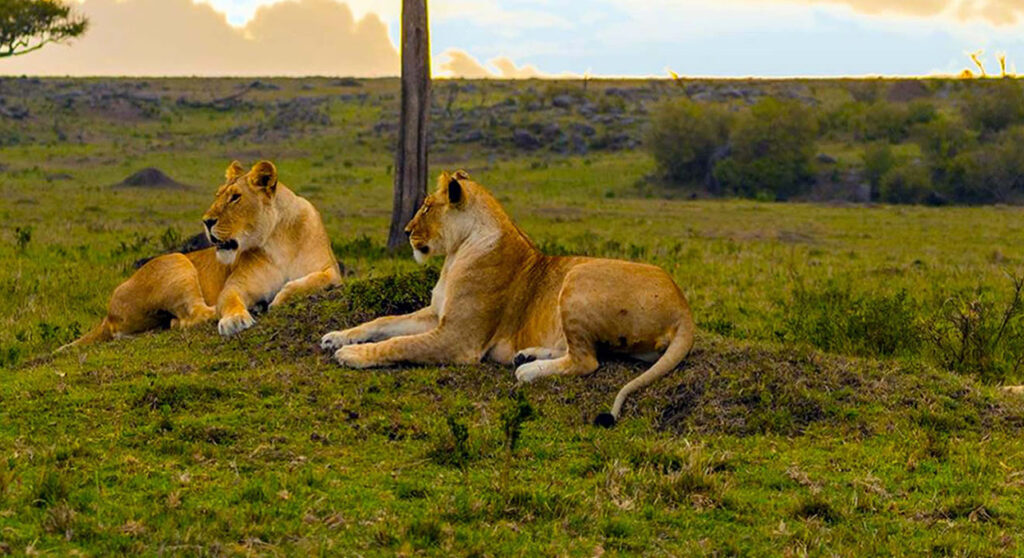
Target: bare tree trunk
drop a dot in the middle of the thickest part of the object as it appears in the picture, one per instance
(411, 154)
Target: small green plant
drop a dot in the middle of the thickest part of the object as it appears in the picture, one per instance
(454, 449)
(518, 413)
(22, 237)
(515, 415)
(171, 239)
(50, 489)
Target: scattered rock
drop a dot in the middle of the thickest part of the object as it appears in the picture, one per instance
(826, 158)
(906, 90)
(562, 101)
(523, 139)
(263, 86)
(472, 136)
(583, 129)
(347, 82)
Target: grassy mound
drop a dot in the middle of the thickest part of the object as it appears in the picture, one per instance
(261, 444)
(724, 386)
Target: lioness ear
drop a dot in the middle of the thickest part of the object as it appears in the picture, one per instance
(263, 176)
(461, 174)
(235, 169)
(455, 194)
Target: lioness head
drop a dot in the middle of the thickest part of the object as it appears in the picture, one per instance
(440, 219)
(243, 214)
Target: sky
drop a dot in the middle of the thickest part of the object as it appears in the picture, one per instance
(538, 38)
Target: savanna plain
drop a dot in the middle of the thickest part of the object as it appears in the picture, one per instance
(844, 396)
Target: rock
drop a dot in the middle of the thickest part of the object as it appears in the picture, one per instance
(150, 177)
(863, 193)
(583, 129)
(263, 86)
(826, 158)
(562, 101)
(906, 90)
(347, 82)
(472, 136)
(523, 139)
(551, 131)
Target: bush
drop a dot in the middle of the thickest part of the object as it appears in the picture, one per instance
(977, 334)
(993, 106)
(991, 173)
(683, 138)
(943, 138)
(886, 121)
(837, 320)
(908, 183)
(772, 147)
(878, 160)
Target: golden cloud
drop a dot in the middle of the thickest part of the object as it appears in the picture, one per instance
(460, 64)
(179, 37)
(999, 12)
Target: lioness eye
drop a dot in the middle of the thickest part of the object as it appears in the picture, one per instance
(235, 197)
(426, 209)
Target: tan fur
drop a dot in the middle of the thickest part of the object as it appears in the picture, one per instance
(498, 297)
(282, 251)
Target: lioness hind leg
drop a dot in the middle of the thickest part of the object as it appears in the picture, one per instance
(536, 353)
(568, 365)
(199, 312)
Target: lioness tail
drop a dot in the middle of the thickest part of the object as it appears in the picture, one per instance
(101, 332)
(674, 354)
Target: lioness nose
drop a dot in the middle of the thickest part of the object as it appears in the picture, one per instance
(408, 232)
(209, 223)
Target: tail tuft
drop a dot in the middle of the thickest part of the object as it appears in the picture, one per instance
(605, 420)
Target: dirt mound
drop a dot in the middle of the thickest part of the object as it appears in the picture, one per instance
(735, 388)
(150, 177)
(725, 387)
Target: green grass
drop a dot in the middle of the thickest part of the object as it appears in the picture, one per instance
(814, 416)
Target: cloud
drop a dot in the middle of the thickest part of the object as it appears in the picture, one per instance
(460, 64)
(179, 37)
(998, 12)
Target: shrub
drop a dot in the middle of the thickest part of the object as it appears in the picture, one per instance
(991, 173)
(908, 183)
(878, 160)
(846, 118)
(993, 106)
(886, 121)
(943, 138)
(683, 138)
(977, 334)
(772, 147)
(837, 320)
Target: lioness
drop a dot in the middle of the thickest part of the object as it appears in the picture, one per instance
(498, 297)
(268, 245)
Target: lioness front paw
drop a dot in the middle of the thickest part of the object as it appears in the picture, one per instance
(230, 325)
(338, 339)
(353, 356)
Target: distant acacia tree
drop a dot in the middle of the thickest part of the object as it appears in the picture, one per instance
(28, 25)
